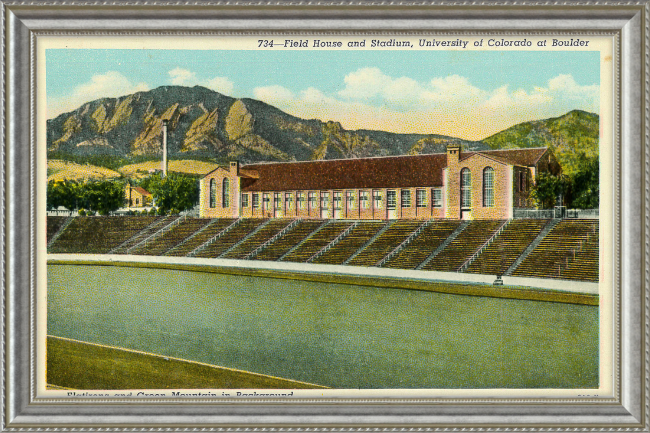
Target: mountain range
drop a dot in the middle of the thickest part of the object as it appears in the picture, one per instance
(206, 124)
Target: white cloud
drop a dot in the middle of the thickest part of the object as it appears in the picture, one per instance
(112, 84)
(449, 105)
(182, 77)
(185, 77)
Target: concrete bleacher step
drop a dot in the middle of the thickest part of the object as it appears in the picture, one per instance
(213, 239)
(333, 242)
(309, 236)
(245, 238)
(443, 245)
(137, 236)
(404, 243)
(482, 248)
(540, 237)
(370, 241)
(193, 235)
(273, 239)
(60, 231)
(167, 225)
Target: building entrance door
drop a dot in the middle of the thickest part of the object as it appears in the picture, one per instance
(391, 204)
(337, 204)
(325, 206)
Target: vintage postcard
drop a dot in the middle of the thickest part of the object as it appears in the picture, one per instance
(275, 216)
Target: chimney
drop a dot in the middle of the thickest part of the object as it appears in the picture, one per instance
(453, 154)
(164, 143)
(234, 168)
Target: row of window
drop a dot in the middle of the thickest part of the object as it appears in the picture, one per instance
(312, 198)
(391, 196)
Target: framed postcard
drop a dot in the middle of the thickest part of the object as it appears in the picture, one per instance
(345, 215)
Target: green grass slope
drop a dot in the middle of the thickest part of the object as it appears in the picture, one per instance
(572, 137)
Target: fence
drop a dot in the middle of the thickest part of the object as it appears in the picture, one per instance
(557, 212)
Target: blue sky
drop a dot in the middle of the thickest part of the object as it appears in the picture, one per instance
(469, 94)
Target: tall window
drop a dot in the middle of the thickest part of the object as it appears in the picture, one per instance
(288, 200)
(266, 199)
(376, 197)
(420, 198)
(256, 200)
(213, 193)
(225, 193)
(324, 200)
(436, 197)
(406, 198)
(391, 199)
(488, 187)
(300, 200)
(363, 199)
(465, 188)
(312, 200)
(277, 200)
(244, 200)
(337, 199)
(349, 195)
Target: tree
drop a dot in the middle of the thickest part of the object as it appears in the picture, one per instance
(175, 191)
(103, 196)
(547, 188)
(586, 184)
(64, 193)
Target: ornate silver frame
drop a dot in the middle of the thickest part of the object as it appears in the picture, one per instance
(627, 22)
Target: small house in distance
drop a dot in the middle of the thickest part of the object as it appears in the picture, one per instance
(137, 197)
(455, 184)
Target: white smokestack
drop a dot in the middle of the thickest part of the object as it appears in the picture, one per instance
(164, 140)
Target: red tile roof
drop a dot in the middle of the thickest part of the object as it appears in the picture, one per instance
(140, 190)
(378, 172)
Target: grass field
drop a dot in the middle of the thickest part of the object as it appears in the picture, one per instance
(193, 167)
(59, 170)
(79, 365)
(339, 335)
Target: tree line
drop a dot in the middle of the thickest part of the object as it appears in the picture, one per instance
(173, 193)
(578, 191)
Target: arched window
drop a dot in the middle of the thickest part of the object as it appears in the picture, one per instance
(213, 193)
(488, 187)
(225, 193)
(465, 188)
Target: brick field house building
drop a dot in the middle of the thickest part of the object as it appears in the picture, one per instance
(455, 184)
(137, 196)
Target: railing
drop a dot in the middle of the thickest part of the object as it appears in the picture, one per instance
(572, 252)
(158, 234)
(534, 213)
(213, 239)
(483, 247)
(401, 246)
(282, 232)
(582, 213)
(334, 242)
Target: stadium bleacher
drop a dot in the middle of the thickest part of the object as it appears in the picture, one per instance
(232, 237)
(465, 244)
(272, 228)
(201, 236)
(423, 245)
(357, 237)
(385, 243)
(507, 247)
(314, 244)
(555, 254)
(172, 237)
(98, 235)
(143, 234)
(283, 245)
(568, 251)
(54, 223)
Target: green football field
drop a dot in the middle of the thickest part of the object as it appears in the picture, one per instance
(335, 335)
